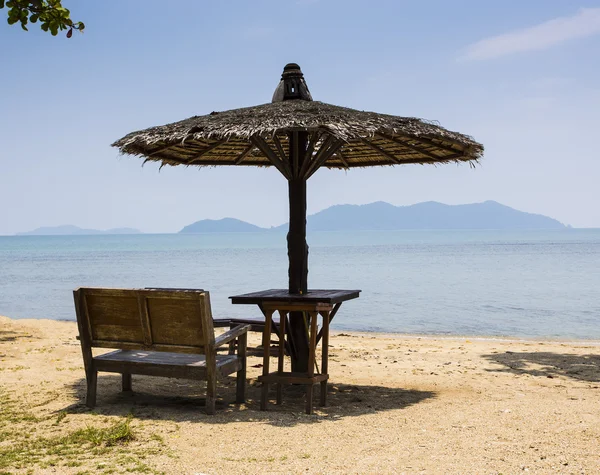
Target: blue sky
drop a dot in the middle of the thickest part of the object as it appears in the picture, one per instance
(523, 78)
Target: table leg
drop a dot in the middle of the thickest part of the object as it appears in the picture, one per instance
(280, 361)
(331, 315)
(311, 359)
(324, 356)
(266, 356)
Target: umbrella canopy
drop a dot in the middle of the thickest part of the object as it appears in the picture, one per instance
(338, 137)
(298, 136)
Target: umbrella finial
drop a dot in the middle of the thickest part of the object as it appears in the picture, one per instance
(292, 85)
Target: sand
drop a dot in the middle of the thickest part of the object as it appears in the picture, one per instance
(397, 404)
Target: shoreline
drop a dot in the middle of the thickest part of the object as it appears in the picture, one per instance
(401, 335)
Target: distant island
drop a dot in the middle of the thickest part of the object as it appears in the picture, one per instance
(225, 225)
(70, 230)
(384, 216)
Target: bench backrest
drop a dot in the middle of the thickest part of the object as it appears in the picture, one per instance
(149, 319)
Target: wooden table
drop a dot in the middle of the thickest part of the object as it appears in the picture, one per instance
(313, 303)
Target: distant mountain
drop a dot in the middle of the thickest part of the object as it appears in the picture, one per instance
(428, 215)
(225, 225)
(384, 216)
(70, 230)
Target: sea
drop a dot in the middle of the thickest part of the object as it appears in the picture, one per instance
(525, 284)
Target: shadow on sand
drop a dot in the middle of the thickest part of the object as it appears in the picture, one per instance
(546, 364)
(179, 400)
(9, 335)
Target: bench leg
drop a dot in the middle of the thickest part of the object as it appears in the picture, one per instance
(92, 383)
(211, 392)
(126, 382)
(240, 393)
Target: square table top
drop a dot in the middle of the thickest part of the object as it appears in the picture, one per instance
(282, 295)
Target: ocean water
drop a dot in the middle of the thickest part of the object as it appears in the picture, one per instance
(528, 284)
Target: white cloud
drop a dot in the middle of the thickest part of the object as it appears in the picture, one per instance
(585, 22)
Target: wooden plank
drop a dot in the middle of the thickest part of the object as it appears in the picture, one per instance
(321, 158)
(312, 348)
(244, 154)
(297, 306)
(210, 351)
(176, 321)
(145, 320)
(126, 334)
(281, 356)
(310, 159)
(240, 383)
(342, 158)
(294, 153)
(85, 338)
(279, 148)
(325, 353)
(210, 148)
(292, 378)
(172, 294)
(381, 151)
(277, 162)
(124, 345)
(232, 334)
(162, 358)
(313, 295)
(266, 345)
(330, 318)
(151, 369)
(126, 382)
(117, 310)
(313, 316)
(171, 289)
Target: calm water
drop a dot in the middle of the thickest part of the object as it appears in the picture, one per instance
(509, 283)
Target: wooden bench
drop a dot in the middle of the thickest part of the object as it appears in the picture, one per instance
(156, 332)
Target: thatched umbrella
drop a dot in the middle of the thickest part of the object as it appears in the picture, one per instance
(297, 136)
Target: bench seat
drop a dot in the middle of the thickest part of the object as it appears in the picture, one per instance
(162, 363)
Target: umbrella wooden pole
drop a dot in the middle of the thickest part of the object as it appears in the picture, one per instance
(296, 238)
(298, 251)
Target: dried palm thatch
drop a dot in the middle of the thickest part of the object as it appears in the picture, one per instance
(338, 137)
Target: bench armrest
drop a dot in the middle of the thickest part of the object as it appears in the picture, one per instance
(231, 335)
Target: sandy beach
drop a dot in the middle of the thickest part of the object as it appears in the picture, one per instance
(397, 404)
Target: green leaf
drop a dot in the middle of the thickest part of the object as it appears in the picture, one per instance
(12, 20)
(34, 18)
(1, 3)
(24, 27)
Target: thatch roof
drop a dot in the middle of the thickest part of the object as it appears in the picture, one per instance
(343, 137)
